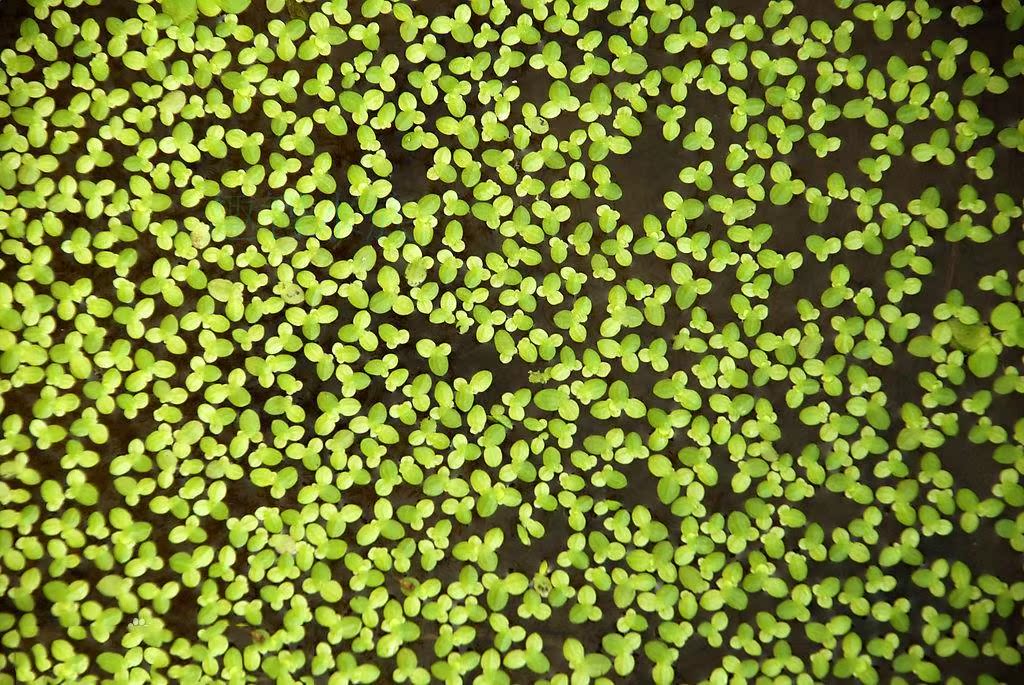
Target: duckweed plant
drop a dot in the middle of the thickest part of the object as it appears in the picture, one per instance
(506, 341)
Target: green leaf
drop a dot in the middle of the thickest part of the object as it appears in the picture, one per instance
(180, 10)
(1005, 315)
(983, 362)
(110, 662)
(548, 399)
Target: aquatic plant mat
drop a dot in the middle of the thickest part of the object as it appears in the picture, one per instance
(511, 341)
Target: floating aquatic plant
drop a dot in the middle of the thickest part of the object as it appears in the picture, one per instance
(566, 342)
